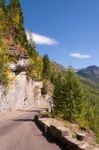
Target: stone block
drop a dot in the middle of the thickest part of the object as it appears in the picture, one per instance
(58, 132)
(80, 136)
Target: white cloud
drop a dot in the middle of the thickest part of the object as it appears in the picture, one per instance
(41, 39)
(80, 56)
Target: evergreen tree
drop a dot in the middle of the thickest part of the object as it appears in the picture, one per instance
(46, 67)
(16, 23)
(73, 96)
(31, 47)
(36, 65)
(68, 97)
(58, 95)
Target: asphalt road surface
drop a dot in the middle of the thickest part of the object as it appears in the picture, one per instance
(19, 132)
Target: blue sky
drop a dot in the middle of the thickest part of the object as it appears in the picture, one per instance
(67, 30)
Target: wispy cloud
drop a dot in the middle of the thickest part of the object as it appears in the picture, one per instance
(80, 56)
(41, 39)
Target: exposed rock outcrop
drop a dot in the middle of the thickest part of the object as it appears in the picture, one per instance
(20, 66)
(23, 92)
(15, 50)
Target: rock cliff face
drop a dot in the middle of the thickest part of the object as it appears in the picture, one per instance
(23, 93)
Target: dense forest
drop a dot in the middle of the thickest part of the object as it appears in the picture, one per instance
(13, 41)
(75, 98)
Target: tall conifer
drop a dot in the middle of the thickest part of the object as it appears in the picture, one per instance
(46, 67)
(68, 96)
(73, 96)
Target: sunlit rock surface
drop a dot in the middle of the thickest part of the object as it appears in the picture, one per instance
(22, 93)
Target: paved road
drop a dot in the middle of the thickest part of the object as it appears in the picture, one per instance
(21, 133)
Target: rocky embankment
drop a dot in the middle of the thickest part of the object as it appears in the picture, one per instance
(81, 140)
(23, 92)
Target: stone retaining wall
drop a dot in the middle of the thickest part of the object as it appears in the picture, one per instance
(62, 135)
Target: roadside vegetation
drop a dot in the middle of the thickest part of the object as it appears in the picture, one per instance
(74, 99)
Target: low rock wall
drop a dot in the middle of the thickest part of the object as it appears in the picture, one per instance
(62, 135)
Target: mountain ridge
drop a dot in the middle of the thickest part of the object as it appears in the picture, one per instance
(91, 72)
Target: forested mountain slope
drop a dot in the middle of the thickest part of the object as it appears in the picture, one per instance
(21, 66)
(89, 80)
(22, 69)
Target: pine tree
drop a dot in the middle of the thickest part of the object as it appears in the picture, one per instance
(58, 96)
(46, 67)
(36, 65)
(73, 96)
(68, 96)
(31, 47)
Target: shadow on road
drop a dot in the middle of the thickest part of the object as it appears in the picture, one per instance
(35, 111)
(24, 120)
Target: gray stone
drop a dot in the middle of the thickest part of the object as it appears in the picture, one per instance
(81, 136)
(22, 94)
(58, 132)
(21, 65)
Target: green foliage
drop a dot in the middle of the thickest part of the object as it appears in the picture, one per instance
(73, 96)
(12, 29)
(91, 90)
(4, 61)
(68, 96)
(69, 100)
(47, 87)
(35, 68)
(16, 23)
(3, 19)
(44, 89)
(57, 96)
(46, 67)
(87, 114)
